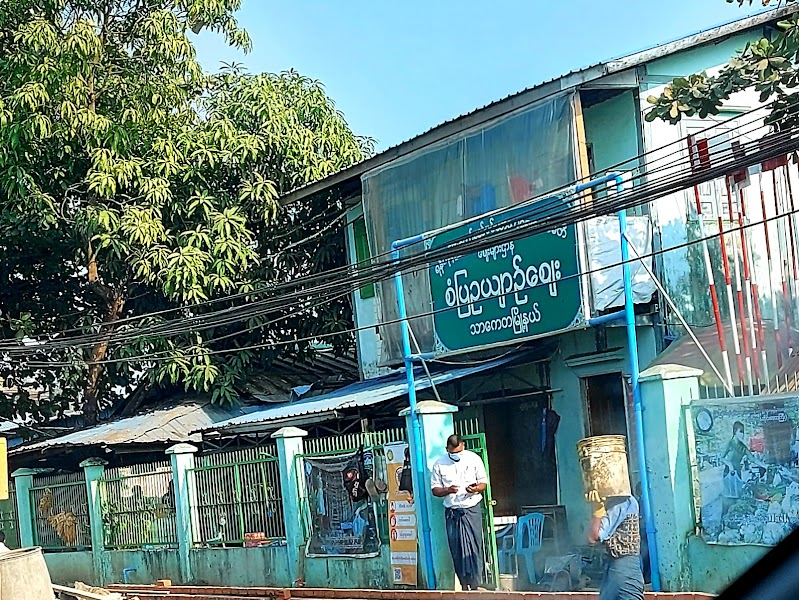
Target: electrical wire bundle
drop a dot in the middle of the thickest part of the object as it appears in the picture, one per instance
(661, 172)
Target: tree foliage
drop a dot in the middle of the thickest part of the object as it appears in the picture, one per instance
(131, 183)
(767, 65)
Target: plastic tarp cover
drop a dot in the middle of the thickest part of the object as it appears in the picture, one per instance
(499, 164)
(339, 526)
(603, 243)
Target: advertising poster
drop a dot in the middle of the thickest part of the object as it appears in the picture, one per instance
(401, 516)
(747, 454)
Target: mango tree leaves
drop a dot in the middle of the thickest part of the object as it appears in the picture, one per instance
(122, 163)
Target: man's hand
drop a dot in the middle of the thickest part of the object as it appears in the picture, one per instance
(598, 509)
(453, 489)
(475, 488)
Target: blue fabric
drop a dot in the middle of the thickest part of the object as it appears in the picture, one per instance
(616, 513)
(623, 579)
(465, 537)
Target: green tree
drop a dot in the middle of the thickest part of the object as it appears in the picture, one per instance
(767, 65)
(132, 183)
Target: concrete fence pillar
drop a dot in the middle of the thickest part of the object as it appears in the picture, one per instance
(289, 446)
(665, 391)
(23, 482)
(437, 425)
(94, 471)
(182, 458)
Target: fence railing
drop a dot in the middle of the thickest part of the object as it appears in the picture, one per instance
(349, 442)
(138, 506)
(60, 512)
(9, 523)
(237, 498)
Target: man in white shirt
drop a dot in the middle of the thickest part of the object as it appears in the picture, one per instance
(3, 547)
(459, 478)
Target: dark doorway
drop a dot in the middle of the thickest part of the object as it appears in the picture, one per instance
(605, 405)
(522, 474)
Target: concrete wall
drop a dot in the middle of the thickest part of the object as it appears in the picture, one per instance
(714, 567)
(68, 567)
(350, 573)
(240, 566)
(224, 566)
(150, 565)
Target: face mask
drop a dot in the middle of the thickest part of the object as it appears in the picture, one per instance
(740, 436)
(454, 456)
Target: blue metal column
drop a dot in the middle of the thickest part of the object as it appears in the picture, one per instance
(419, 460)
(632, 342)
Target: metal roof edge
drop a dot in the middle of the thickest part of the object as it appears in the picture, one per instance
(529, 95)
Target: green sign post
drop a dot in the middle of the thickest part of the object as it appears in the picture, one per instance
(513, 291)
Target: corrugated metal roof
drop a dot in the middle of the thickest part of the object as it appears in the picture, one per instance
(361, 394)
(174, 423)
(514, 101)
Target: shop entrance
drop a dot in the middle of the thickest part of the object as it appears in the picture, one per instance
(523, 464)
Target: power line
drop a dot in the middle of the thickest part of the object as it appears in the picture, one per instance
(639, 257)
(374, 263)
(375, 272)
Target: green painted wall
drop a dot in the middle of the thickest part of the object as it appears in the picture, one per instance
(224, 566)
(714, 567)
(350, 573)
(240, 566)
(68, 567)
(612, 130)
(150, 565)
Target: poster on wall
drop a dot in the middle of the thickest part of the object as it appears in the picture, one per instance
(747, 455)
(401, 515)
(342, 514)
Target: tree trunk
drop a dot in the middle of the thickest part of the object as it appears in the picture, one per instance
(91, 405)
(114, 305)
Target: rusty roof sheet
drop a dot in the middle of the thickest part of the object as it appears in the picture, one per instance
(173, 423)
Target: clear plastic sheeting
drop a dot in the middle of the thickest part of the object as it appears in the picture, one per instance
(604, 257)
(500, 164)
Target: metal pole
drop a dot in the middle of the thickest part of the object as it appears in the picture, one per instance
(740, 294)
(418, 460)
(736, 342)
(775, 318)
(714, 297)
(632, 342)
(755, 316)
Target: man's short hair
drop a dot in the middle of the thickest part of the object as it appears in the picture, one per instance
(2, 537)
(454, 441)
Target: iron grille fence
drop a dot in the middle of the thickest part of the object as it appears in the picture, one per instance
(237, 498)
(8, 517)
(138, 506)
(60, 512)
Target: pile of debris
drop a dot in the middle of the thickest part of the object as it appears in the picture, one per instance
(81, 591)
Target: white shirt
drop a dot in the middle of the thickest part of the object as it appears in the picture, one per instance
(4, 548)
(468, 470)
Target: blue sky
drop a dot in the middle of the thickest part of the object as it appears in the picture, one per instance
(395, 69)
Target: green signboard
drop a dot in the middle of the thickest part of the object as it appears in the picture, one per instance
(513, 291)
